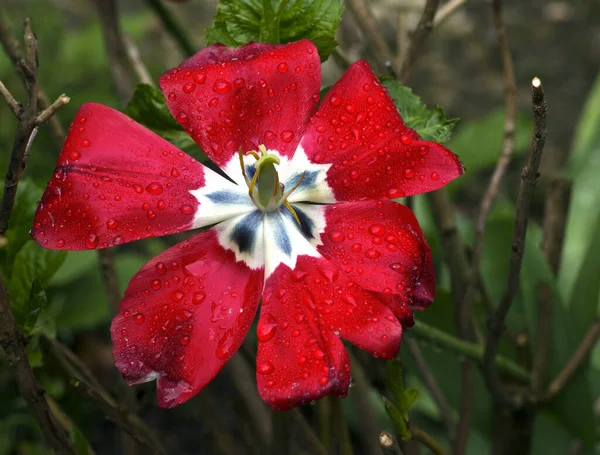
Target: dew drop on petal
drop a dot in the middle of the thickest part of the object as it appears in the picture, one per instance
(287, 136)
(92, 241)
(336, 236)
(282, 67)
(154, 188)
(139, 318)
(222, 87)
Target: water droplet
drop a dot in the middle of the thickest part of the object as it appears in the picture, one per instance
(270, 135)
(319, 354)
(372, 254)
(287, 136)
(185, 340)
(405, 139)
(350, 108)
(177, 296)
(85, 143)
(189, 88)
(222, 87)
(74, 155)
(409, 173)
(92, 241)
(112, 223)
(356, 247)
(161, 268)
(199, 78)
(336, 236)
(60, 243)
(435, 176)
(156, 284)
(139, 318)
(377, 229)
(335, 100)
(186, 209)
(282, 67)
(172, 96)
(367, 87)
(239, 82)
(198, 297)
(265, 332)
(264, 368)
(298, 275)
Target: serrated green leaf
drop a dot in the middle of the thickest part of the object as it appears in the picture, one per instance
(277, 21)
(398, 420)
(31, 263)
(430, 124)
(148, 107)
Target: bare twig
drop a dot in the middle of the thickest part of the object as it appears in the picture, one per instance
(454, 255)
(544, 338)
(432, 384)
(115, 47)
(79, 376)
(528, 182)
(389, 445)
(372, 31)
(15, 107)
(581, 352)
(51, 110)
(12, 48)
(402, 38)
(172, 27)
(427, 440)
(510, 112)
(418, 37)
(446, 11)
(136, 61)
(362, 403)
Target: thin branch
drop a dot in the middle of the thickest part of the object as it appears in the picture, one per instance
(432, 384)
(389, 444)
(15, 107)
(510, 112)
(13, 50)
(581, 353)
(529, 177)
(115, 48)
(544, 338)
(136, 61)
(402, 38)
(447, 10)
(79, 376)
(469, 350)
(178, 33)
(427, 440)
(51, 110)
(372, 31)
(418, 37)
(360, 397)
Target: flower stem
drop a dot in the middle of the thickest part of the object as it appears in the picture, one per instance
(427, 440)
(472, 351)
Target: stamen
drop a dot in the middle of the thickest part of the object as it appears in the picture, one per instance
(292, 211)
(243, 166)
(285, 195)
(254, 154)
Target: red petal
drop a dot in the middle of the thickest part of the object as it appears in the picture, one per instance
(304, 311)
(381, 246)
(374, 155)
(255, 94)
(185, 313)
(115, 181)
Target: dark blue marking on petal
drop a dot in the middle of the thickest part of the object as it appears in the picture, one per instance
(244, 232)
(306, 223)
(309, 180)
(281, 237)
(228, 197)
(250, 170)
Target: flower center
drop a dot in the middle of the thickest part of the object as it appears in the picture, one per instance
(265, 189)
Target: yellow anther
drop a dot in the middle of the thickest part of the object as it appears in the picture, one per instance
(293, 212)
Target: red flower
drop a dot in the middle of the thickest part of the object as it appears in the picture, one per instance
(316, 236)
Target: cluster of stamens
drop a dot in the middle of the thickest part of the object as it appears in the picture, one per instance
(265, 189)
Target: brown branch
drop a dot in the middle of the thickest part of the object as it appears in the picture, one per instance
(115, 48)
(432, 384)
(80, 377)
(389, 444)
(544, 338)
(372, 31)
(510, 112)
(454, 255)
(427, 440)
(529, 177)
(446, 11)
(402, 38)
(15, 107)
(581, 353)
(360, 397)
(137, 64)
(417, 39)
(12, 48)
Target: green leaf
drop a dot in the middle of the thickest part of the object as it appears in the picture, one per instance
(410, 396)
(430, 124)
(397, 419)
(36, 305)
(148, 107)
(31, 262)
(479, 142)
(584, 210)
(76, 265)
(277, 21)
(395, 383)
(21, 220)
